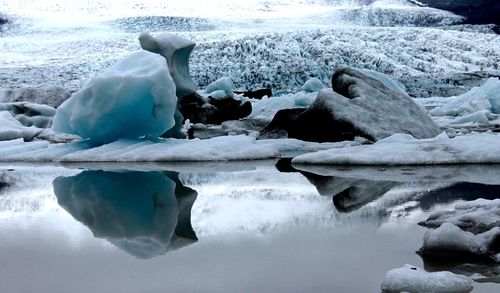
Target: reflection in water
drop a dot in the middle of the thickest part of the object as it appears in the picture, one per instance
(144, 213)
(349, 194)
(481, 272)
(461, 190)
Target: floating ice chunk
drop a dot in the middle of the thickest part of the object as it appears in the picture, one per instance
(176, 50)
(10, 128)
(30, 114)
(219, 94)
(134, 97)
(386, 80)
(224, 84)
(412, 279)
(480, 117)
(313, 85)
(267, 108)
(400, 150)
(476, 216)
(449, 241)
(485, 97)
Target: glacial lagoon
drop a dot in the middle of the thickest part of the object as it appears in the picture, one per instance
(261, 226)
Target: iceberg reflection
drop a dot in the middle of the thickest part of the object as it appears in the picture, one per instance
(145, 214)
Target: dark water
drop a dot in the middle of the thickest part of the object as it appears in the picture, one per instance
(239, 227)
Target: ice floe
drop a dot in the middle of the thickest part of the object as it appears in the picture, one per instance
(415, 280)
(404, 149)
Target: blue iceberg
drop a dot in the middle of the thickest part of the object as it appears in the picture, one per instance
(135, 97)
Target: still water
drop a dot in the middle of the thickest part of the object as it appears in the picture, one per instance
(226, 227)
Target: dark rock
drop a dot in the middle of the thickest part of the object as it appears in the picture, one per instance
(3, 19)
(282, 121)
(359, 106)
(212, 111)
(475, 11)
(257, 94)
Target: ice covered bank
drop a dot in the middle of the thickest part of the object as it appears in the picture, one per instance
(133, 98)
(404, 149)
(415, 280)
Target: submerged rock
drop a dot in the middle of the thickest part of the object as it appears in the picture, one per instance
(134, 97)
(359, 105)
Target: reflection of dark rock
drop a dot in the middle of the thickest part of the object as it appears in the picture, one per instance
(284, 165)
(462, 190)
(144, 213)
(359, 105)
(256, 94)
(349, 194)
(212, 111)
(360, 194)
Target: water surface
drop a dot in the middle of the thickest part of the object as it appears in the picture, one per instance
(236, 227)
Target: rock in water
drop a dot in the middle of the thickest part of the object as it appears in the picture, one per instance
(176, 50)
(134, 97)
(361, 105)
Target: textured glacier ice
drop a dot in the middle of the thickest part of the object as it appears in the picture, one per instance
(134, 97)
(412, 279)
